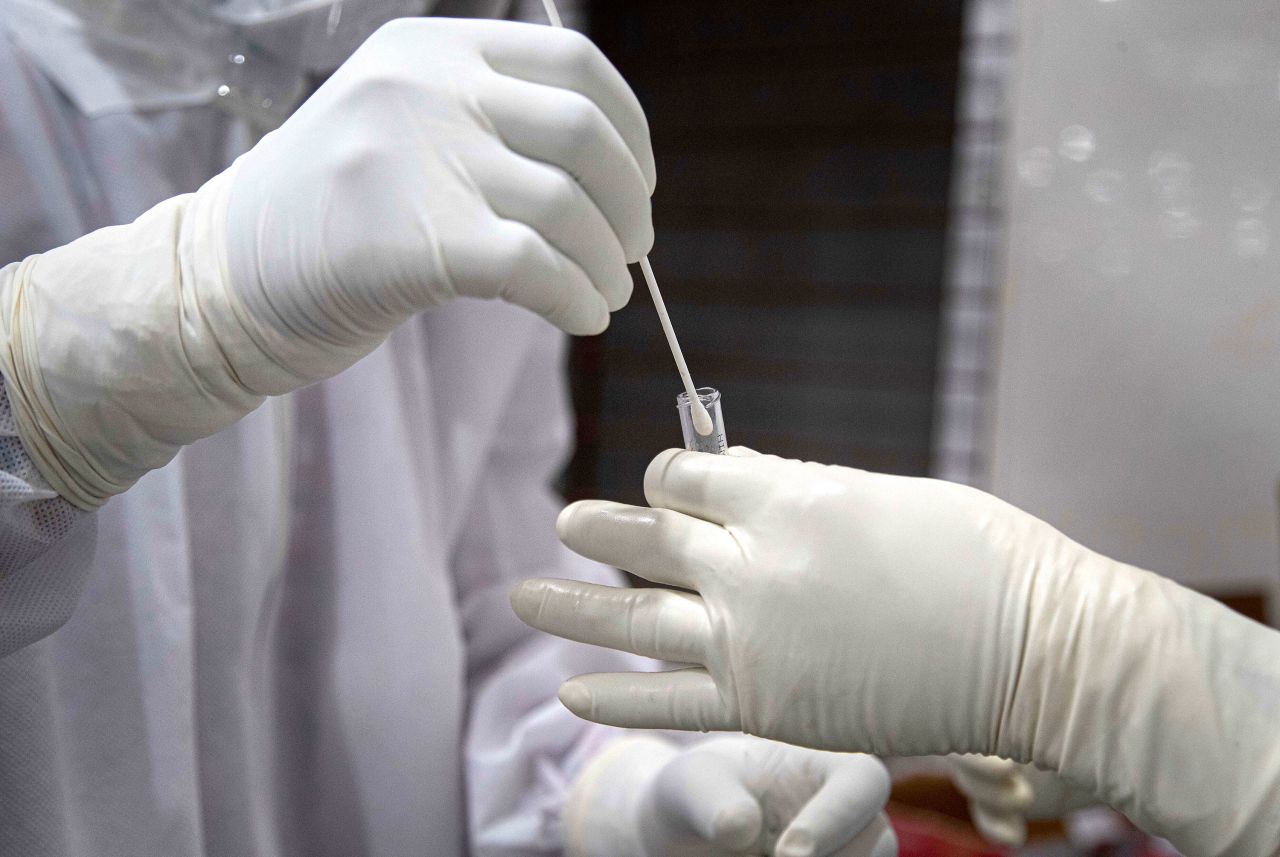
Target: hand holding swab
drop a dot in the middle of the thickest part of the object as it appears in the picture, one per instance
(701, 419)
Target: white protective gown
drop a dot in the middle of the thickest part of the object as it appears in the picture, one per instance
(294, 639)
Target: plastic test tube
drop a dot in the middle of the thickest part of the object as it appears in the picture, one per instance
(715, 443)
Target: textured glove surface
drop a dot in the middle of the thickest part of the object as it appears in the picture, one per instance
(737, 795)
(446, 158)
(839, 609)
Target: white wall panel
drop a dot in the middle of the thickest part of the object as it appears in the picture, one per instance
(1137, 400)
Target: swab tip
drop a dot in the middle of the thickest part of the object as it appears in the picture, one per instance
(701, 419)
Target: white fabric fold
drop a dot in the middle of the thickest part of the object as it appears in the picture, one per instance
(117, 56)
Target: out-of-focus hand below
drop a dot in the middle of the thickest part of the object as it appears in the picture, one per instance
(737, 795)
(1004, 796)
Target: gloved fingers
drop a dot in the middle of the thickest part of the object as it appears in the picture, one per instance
(991, 768)
(877, 839)
(741, 452)
(1054, 796)
(1003, 828)
(705, 793)
(997, 784)
(549, 201)
(657, 544)
(715, 488)
(569, 131)
(849, 799)
(1048, 793)
(681, 699)
(515, 263)
(1006, 786)
(569, 60)
(653, 623)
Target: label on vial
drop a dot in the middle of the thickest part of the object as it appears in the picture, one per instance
(714, 443)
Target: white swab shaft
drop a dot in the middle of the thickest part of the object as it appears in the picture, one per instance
(701, 419)
(552, 12)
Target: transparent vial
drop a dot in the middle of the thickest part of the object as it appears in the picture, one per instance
(715, 442)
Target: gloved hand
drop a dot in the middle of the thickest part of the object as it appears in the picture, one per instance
(645, 797)
(840, 609)
(1004, 796)
(445, 158)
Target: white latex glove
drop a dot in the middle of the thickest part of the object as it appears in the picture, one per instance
(644, 797)
(841, 609)
(445, 158)
(1005, 795)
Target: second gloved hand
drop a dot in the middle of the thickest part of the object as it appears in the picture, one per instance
(1004, 796)
(644, 797)
(445, 159)
(840, 609)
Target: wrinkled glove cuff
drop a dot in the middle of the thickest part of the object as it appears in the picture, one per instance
(120, 347)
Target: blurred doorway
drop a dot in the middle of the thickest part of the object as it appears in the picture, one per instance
(804, 154)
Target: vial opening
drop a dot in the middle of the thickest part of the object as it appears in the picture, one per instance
(706, 395)
(715, 442)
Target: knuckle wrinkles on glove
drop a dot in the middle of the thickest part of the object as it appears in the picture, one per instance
(359, 160)
(380, 84)
(527, 251)
(561, 203)
(576, 52)
(584, 124)
(562, 306)
(647, 621)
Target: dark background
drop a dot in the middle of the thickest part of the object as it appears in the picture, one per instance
(804, 156)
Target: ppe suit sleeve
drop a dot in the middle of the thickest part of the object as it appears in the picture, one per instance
(523, 748)
(46, 545)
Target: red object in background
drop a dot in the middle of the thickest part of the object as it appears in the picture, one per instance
(936, 832)
(924, 833)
